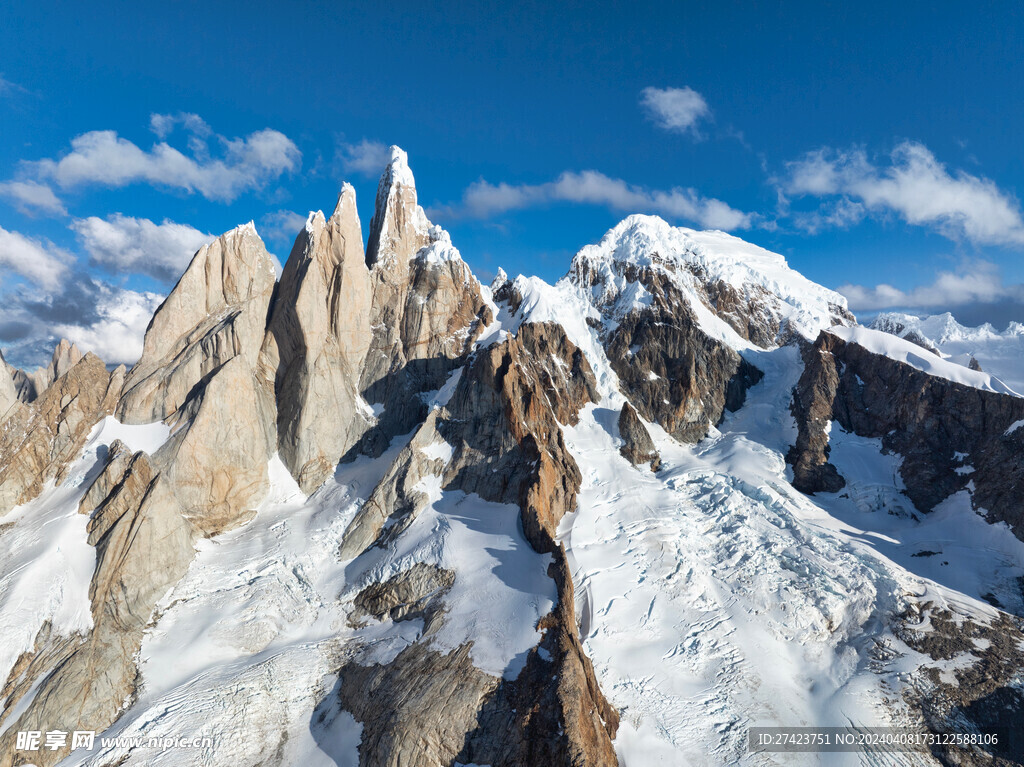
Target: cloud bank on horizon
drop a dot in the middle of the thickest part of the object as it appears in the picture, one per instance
(48, 288)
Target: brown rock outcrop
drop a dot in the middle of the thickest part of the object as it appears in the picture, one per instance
(638, 447)
(927, 420)
(38, 441)
(143, 547)
(674, 373)
(316, 342)
(218, 310)
(503, 425)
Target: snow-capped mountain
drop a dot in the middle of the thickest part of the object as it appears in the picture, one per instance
(995, 352)
(377, 513)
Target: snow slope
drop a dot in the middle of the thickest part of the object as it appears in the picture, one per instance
(999, 353)
(713, 597)
(910, 353)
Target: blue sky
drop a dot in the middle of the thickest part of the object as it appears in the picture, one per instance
(872, 145)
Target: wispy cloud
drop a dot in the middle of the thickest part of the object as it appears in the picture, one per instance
(37, 260)
(678, 110)
(367, 158)
(30, 197)
(124, 244)
(7, 87)
(282, 225)
(977, 282)
(102, 158)
(914, 185)
(483, 199)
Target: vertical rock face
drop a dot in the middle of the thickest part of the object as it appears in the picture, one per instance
(217, 311)
(319, 334)
(216, 460)
(938, 426)
(504, 426)
(638, 446)
(674, 373)
(65, 355)
(8, 390)
(398, 230)
(38, 441)
(427, 310)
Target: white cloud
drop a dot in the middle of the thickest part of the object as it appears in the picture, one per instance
(37, 260)
(367, 158)
(915, 186)
(163, 125)
(978, 282)
(482, 199)
(841, 214)
(282, 225)
(125, 244)
(29, 196)
(104, 158)
(675, 109)
(117, 333)
(7, 87)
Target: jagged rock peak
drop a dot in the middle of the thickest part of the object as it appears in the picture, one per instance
(500, 278)
(317, 339)
(399, 227)
(65, 355)
(745, 287)
(218, 310)
(230, 270)
(8, 391)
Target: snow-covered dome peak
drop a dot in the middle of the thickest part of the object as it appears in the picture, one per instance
(735, 280)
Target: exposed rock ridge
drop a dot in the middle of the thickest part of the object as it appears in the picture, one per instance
(38, 441)
(503, 425)
(638, 447)
(938, 426)
(143, 547)
(672, 371)
(217, 311)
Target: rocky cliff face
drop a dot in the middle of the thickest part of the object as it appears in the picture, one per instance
(8, 389)
(427, 308)
(949, 434)
(316, 343)
(38, 442)
(217, 311)
(503, 427)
